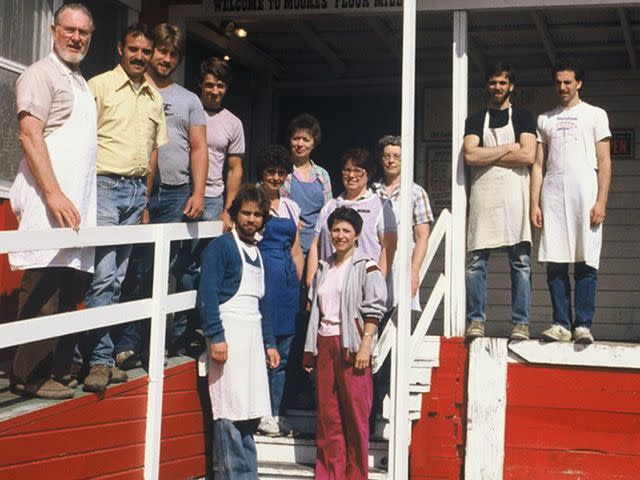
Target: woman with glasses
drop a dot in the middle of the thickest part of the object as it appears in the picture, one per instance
(378, 238)
(348, 300)
(283, 264)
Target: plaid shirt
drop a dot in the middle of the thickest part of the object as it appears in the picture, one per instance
(421, 207)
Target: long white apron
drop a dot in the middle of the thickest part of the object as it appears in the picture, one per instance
(239, 389)
(72, 150)
(569, 191)
(499, 200)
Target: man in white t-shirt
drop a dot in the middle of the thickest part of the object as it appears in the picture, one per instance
(225, 138)
(573, 159)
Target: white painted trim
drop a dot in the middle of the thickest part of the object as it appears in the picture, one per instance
(599, 354)
(486, 409)
(399, 443)
(437, 294)
(455, 259)
(448, 5)
(12, 66)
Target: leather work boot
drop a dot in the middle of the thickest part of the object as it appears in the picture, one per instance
(475, 329)
(520, 332)
(118, 376)
(98, 378)
(49, 389)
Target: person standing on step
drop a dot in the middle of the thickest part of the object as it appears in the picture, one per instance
(55, 188)
(499, 146)
(569, 190)
(177, 177)
(238, 337)
(348, 297)
(131, 127)
(283, 265)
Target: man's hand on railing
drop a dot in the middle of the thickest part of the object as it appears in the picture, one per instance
(218, 352)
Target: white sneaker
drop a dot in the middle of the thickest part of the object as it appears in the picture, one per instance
(582, 335)
(269, 426)
(557, 333)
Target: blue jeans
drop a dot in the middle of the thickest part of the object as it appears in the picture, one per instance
(187, 271)
(520, 263)
(235, 449)
(586, 279)
(166, 206)
(120, 201)
(278, 375)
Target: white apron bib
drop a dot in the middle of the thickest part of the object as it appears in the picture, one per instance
(239, 389)
(499, 200)
(569, 191)
(72, 150)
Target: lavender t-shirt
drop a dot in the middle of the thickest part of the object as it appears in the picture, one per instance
(377, 217)
(225, 137)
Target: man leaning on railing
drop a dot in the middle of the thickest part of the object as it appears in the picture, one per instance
(55, 187)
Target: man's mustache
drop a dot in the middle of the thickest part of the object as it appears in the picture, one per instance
(139, 63)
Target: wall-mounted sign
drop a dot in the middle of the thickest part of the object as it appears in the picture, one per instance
(439, 177)
(240, 8)
(622, 143)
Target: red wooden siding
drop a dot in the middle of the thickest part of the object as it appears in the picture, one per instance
(102, 436)
(9, 281)
(578, 423)
(437, 443)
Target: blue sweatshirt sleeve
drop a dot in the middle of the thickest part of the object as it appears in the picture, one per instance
(214, 265)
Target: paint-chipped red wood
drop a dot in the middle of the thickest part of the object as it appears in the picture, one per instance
(9, 281)
(437, 450)
(102, 436)
(571, 422)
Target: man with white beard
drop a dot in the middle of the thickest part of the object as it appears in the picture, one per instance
(55, 188)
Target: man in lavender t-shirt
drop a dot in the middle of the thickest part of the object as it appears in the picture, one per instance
(225, 138)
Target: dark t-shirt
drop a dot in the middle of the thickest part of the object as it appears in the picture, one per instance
(523, 122)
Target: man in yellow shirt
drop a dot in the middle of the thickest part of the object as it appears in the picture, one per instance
(131, 126)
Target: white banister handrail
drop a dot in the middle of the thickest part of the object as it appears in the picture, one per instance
(387, 337)
(156, 307)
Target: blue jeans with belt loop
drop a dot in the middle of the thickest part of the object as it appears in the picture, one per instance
(120, 201)
(235, 449)
(520, 264)
(586, 279)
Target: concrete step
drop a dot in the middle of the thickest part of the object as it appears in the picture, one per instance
(287, 450)
(287, 471)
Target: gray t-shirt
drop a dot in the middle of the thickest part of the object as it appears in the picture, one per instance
(225, 137)
(182, 110)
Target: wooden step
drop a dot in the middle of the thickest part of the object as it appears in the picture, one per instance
(287, 471)
(287, 450)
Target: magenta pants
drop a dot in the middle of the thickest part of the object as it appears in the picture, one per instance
(345, 396)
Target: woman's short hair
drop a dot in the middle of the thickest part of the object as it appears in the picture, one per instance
(387, 140)
(306, 121)
(360, 158)
(346, 214)
(273, 156)
(216, 67)
(249, 193)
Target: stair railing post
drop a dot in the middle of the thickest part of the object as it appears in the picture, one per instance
(455, 257)
(156, 353)
(399, 441)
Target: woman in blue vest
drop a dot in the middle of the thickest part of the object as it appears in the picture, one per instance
(283, 264)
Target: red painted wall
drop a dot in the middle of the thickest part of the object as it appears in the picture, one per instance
(568, 422)
(437, 443)
(9, 281)
(102, 436)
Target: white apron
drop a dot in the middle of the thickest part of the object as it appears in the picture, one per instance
(499, 200)
(72, 150)
(239, 389)
(569, 191)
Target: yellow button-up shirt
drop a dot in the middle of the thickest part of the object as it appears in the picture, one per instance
(131, 123)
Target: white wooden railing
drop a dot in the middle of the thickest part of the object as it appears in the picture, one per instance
(157, 307)
(439, 293)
